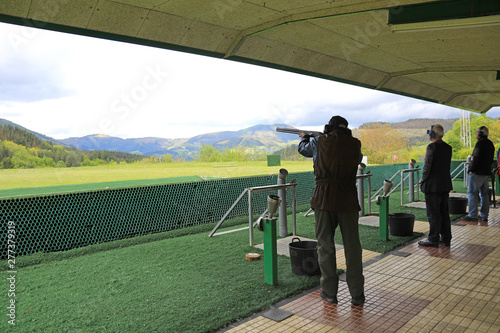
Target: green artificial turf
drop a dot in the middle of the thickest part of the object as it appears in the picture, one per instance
(184, 284)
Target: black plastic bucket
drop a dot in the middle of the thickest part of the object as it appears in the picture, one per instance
(457, 205)
(401, 224)
(304, 257)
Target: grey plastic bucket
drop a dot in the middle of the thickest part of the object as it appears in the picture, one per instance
(304, 257)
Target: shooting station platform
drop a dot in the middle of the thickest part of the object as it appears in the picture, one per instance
(452, 288)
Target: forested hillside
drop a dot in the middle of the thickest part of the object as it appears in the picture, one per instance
(22, 149)
(415, 130)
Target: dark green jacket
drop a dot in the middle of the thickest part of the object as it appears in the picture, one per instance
(336, 159)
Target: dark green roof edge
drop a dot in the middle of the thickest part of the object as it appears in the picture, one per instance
(104, 35)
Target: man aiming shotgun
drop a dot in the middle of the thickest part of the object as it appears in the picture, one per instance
(336, 155)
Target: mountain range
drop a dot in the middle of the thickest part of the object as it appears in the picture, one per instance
(259, 138)
(262, 138)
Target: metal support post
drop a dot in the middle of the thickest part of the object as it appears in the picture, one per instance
(418, 186)
(361, 189)
(270, 251)
(402, 187)
(411, 181)
(361, 193)
(384, 218)
(402, 184)
(466, 171)
(282, 194)
(294, 209)
(369, 191)
(250, 221)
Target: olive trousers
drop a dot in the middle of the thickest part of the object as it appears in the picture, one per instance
(326, 223)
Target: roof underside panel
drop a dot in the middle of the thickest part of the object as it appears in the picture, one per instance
(347, 41)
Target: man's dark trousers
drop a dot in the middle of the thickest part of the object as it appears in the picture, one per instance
(326, 223)
(439, 217)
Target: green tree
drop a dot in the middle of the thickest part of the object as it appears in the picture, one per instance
(71, 159)
(453, 137)
(167, 158)
(86, 161)
(233, 154)
(379, 140)
(48, 162)
(7, 163)
(209, 154)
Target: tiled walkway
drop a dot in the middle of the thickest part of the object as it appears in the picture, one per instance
(415, 289)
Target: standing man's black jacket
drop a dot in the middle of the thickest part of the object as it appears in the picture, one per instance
(436, 173)
(482, 157)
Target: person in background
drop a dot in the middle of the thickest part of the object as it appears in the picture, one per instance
(436, 184)
(479, 176)
(497, 168)
(336, 157)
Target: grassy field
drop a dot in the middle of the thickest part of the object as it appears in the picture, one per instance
(26, 178)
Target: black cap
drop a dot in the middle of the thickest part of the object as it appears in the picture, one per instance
(337, 121)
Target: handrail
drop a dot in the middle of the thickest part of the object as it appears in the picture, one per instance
(257, 189)
(412, 171)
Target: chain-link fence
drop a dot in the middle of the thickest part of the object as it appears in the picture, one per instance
(64, 221)
(61, 222)
(386, 171)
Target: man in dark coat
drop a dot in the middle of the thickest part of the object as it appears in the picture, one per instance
(336, 156)
(480, 171)
(436, 184)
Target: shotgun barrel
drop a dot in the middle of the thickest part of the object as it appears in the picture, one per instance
(297, 131)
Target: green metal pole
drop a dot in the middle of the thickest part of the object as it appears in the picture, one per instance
(497, 184)
(270, 251)
(383, 218)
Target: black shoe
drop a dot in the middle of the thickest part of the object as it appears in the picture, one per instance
(470, 219)
(482, 219)
(358, 300)
(328, 298)
(444, 243)
(428, 244)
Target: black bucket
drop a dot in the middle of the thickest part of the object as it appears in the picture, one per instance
(304, 257)
(401, 224)
(457, 205)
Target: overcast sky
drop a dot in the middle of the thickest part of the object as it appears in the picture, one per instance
(64, 85)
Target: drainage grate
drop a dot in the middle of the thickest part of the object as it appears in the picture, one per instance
(277, 314)
(400, 253)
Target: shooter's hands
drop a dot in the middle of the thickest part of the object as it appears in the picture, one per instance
(304, 135)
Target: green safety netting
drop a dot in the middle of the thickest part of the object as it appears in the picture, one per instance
(58, 222)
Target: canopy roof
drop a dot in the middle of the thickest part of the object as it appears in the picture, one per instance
(450, 56)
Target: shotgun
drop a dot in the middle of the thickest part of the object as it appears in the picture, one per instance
(297, 131)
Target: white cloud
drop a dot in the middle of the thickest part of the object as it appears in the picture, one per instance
(64, 85)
